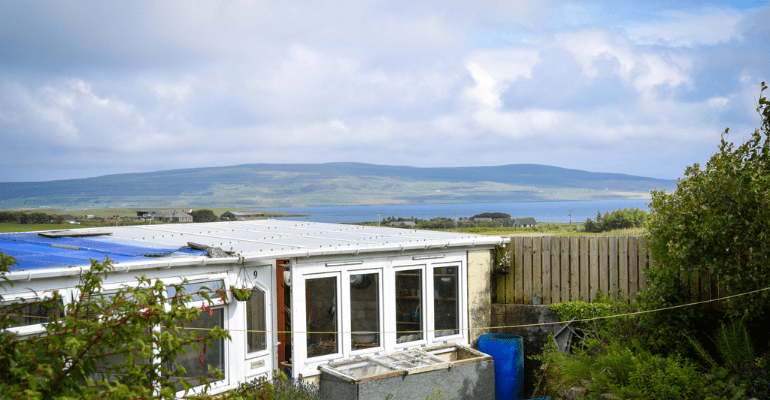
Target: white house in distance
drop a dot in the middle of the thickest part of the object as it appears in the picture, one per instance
(349, 290)
(525, 222)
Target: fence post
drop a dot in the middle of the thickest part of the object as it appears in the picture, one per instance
(644, 260)
(574, 268)
(518, 253)
(604, 259)
(593, 262)
(555, 269)
(623, 266)
(537, 268)
(613, 266)
(564, 266)
(633, 267)
(585, 293)
(546, 257)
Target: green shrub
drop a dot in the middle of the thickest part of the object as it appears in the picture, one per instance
(660, 377)
(617, 219)
(758, 377)
(717, 222)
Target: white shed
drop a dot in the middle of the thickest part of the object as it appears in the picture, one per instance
(322, 292)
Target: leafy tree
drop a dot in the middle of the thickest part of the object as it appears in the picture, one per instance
(617, 219)
(717, 222)
(204, 215)
(493, 215)
(29, 218)
(119, 346)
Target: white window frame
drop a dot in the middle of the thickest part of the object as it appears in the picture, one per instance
(25, 331)
(347, 310)
(423, 306)
(302, 364)
(268, 335)
(461, 301)
(217, 303)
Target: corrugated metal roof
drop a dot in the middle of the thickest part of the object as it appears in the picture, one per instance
(260, 238)
(33, 251)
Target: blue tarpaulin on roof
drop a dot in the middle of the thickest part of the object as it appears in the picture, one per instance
(33, 251)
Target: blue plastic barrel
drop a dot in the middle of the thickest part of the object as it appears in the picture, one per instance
(508, 353)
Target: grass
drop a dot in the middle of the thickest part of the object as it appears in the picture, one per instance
(547, 228)
(131, 212)
(8, 227)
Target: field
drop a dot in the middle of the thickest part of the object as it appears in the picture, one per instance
(6, 227)
(131, 212)
(547, 229)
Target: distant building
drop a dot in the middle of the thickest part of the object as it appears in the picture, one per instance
(172, 216)
(482, 219)
(525, 222)
(242, 215)
(144, 214)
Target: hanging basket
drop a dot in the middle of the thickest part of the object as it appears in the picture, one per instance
(241, 290)
(240, 294)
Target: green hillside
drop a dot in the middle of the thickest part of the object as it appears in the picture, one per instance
(275, 185)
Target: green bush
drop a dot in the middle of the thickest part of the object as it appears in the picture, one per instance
(617, 219)
(717, 222)
(632, 373)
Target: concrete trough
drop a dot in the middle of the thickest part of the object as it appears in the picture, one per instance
(450, 371)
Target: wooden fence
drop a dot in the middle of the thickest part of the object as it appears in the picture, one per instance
(564, 268)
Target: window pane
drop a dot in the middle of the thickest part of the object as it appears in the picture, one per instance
(321, 295)
(445, 286)
(214, 355)
(365, 310)
(120, 355)
(408, 304)
(255, 321)
(31, 314)
(192, 288)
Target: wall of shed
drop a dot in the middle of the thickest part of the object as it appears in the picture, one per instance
(480, 267)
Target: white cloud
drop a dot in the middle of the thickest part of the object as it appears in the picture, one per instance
(392, 83)
(643, 69)
(709, 26)
(494, 70)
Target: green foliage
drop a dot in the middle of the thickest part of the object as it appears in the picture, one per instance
(605, 330)
(279, 388)
(629, 371)
(616, 358)
(617, 219)
(20, 217)
(102, 346)
(493, 215)
(657, 377)
(734, 344)
(204, 215)
(758, 377)
(717, 222)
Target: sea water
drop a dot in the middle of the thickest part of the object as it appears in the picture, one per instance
(542, 211)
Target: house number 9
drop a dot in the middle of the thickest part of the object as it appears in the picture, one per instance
(255, 274)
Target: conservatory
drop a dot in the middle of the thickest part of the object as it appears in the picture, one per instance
(318, 293)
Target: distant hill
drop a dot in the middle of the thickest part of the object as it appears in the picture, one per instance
(275, 185)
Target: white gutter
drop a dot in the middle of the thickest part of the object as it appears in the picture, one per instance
(166, 263)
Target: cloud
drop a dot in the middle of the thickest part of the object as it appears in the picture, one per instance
(642, 68)
(100, 88)
(708, 26)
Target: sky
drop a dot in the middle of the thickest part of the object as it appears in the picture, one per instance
(90, 88)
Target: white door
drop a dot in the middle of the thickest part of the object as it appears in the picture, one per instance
(259, 338)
